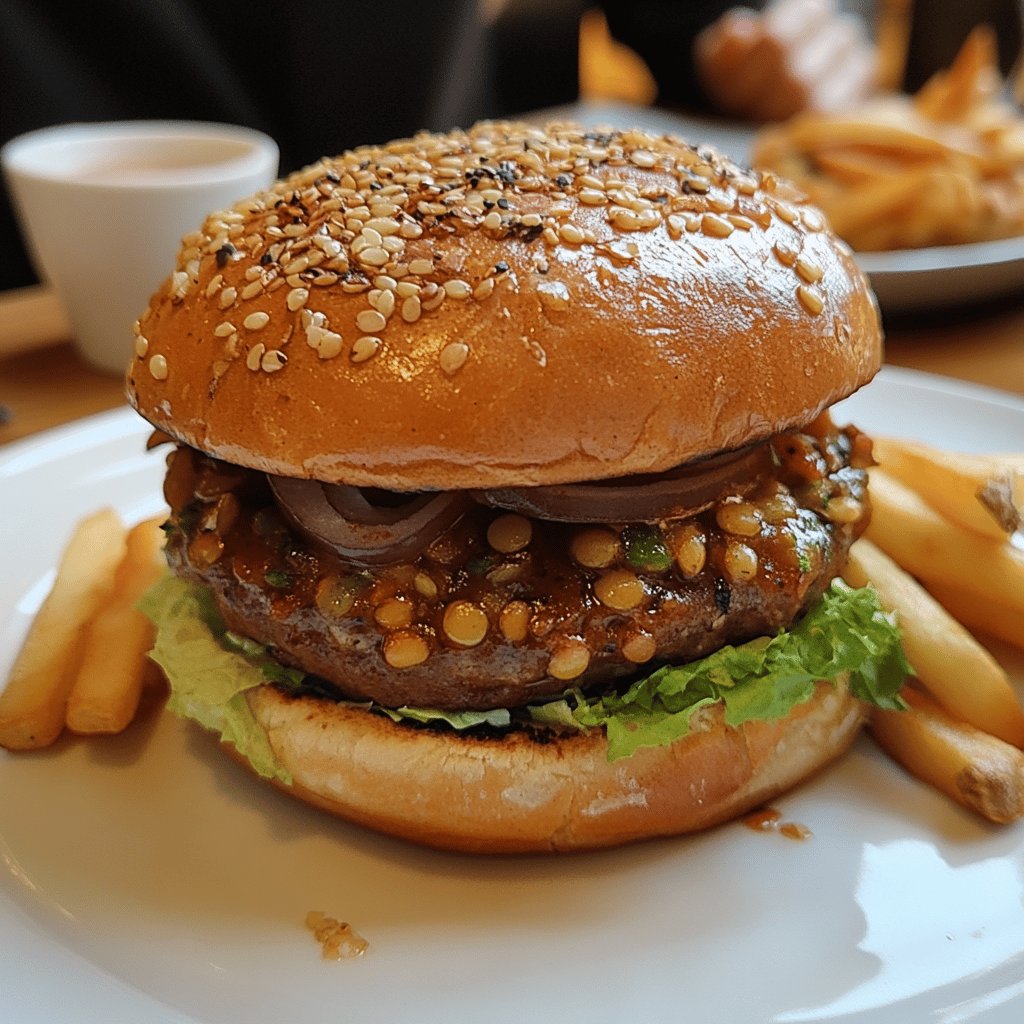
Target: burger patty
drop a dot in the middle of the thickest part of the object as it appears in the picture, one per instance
(501, 610)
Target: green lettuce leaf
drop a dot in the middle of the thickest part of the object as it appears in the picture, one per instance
(208, 679)
(845, 636)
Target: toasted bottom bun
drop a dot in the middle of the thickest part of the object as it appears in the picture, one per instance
(516, 793)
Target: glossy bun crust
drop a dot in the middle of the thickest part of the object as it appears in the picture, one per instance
(505, 306)
(514, 794)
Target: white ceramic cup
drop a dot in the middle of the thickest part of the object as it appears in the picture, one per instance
(103, 207)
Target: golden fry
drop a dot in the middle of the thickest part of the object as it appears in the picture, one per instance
(945, 166)
(951, 481)
(979, 771)
(33, 704)
(958, 672)
(109, 682)
(935, 550)
(971, 78)
(980, 613)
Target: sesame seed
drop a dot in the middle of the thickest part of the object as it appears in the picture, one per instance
(627, 219)
(411, 309)
(273, 361)
(808, 269)
(383, 226)
(296, 298)
(721, 202)
(810, 299)
(364, 348)
(374, 256)
(223, 329)
(370, 321)
(784, 212)
(227, 298)
(326, 342)
(405, 289)
(421, 266)
(141, 346)
(571, 234)
(812, 219)
(296, 266)
(484, 288)
(457, 289)
(591, 197)
(251, 290)
(453, 356)
(158, 367)
(785, 255)
(531, 220)
(716, 227)
(410, 229)
(254, 356)
(492, 221)
(256, 321)
(738, 221)
(384, 303)
(431, 296)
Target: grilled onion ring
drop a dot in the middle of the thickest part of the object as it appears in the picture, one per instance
(683, 491)
(343, 520)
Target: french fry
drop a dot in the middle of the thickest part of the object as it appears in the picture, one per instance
(109, 682)
(936, 551)
(945, 166)
(956, 670)
(977, 770)
(32, 705)
(951, 481)
(980, 613)
(950, 94)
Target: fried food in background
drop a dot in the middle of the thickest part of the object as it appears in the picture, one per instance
(795, 55)
(943, 167)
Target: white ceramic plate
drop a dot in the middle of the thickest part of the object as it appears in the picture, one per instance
(944, 276)
(148, 879)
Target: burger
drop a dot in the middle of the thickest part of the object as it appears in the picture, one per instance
(506, 509)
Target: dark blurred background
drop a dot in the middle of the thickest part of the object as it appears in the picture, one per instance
(322, 77)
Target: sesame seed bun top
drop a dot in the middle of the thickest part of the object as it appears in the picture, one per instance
(504, 306)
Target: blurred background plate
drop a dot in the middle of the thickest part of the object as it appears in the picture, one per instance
(918, 279)
(729, 137)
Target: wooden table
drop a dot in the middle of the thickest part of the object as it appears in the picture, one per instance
(43, 382)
